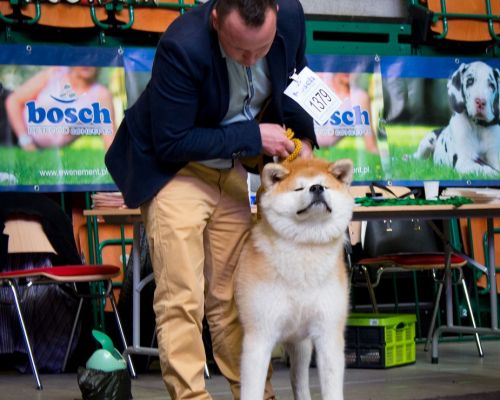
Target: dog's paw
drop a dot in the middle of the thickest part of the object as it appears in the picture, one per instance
(7, 178)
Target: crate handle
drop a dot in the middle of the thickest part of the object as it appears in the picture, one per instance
(401, 325)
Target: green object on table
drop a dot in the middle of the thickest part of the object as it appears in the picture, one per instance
(370, 202)
(107, 359)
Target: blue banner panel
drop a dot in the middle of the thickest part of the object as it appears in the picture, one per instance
(59, 110)
(351, 131)
(402, 120)
(430, 118)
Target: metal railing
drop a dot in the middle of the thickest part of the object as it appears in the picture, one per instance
(444, 16)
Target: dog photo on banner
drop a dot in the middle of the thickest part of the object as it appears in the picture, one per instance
(407, 119)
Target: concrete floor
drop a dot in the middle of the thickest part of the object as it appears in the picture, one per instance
(460, 371)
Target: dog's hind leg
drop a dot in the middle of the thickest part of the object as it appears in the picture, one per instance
(330, 362)
(255, 359)
(300, 358)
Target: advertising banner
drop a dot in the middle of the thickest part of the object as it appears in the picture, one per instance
(352, 130)
(405, 120)
(402, 120)
(442, 119)
(59, 109)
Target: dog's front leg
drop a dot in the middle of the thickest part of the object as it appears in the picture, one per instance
(255, 358)
(426, 147)
(300, 359)
(330, 361)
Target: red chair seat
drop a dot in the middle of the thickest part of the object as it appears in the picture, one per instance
(415, 261)
(69, 273)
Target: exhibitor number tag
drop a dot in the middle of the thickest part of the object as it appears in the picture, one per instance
(313, 95)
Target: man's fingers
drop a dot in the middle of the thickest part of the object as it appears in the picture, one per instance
(290, 146)
(286, 149)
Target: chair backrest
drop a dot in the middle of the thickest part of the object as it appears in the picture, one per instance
(471, 29)
(56, 224)
(26, 235)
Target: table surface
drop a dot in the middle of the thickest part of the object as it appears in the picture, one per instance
(427, 211)
(363, 213)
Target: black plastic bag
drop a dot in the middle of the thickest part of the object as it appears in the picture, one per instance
(100, 385)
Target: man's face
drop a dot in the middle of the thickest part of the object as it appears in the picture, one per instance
(245, 44)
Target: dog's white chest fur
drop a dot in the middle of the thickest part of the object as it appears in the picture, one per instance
(299, 265)
(306, 288)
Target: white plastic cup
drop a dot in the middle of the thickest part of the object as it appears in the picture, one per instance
(431, 189)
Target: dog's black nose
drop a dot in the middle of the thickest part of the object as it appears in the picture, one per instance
(316, 189)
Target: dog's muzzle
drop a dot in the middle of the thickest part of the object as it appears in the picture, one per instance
(317, 192)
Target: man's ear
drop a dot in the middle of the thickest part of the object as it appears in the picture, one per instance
(215, 20)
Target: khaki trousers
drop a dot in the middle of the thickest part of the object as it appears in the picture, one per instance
(196, 226)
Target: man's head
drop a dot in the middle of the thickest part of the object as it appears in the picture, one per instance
(246, 28)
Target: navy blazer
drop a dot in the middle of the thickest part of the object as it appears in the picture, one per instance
(177, 117)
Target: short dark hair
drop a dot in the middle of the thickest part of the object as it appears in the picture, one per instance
(253, 12)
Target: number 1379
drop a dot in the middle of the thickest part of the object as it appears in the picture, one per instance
(320, 100)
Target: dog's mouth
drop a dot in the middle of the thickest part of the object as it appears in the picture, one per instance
(315, 203)
(479, 115)
(480, 119)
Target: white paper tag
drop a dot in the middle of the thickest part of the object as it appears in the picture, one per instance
(313, 95)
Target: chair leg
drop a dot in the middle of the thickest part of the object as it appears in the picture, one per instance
(473, 320)
(434, 316)
(15, 293)
(72, 335)
(111, 297)
(369, 286)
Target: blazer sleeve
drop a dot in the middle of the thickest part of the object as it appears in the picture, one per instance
(177, 96)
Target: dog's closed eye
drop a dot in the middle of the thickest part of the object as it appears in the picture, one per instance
(299, 189)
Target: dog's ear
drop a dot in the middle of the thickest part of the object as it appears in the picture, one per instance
(343, 170)
(454, 85)
(273, 173)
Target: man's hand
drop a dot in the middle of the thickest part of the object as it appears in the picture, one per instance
(274, 141)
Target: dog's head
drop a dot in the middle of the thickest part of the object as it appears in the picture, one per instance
(474, 89)
(307, 200)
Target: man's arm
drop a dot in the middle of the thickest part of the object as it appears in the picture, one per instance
(175, 102)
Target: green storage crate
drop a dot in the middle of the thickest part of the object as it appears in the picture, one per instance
(380, 340)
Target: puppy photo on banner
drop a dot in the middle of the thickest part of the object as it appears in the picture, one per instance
(442, 119)
(470, 142)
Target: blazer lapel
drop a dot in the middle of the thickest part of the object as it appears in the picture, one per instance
(221, 73)
(277, 63)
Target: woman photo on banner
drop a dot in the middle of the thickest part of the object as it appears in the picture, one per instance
(58, 105)
(353, 118)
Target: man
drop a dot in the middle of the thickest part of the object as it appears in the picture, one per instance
(215, 97)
